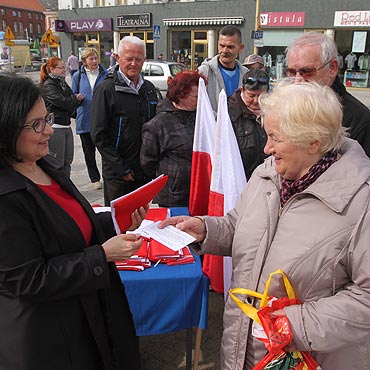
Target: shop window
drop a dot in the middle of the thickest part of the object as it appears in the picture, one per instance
(106, 43)
(200, 35)
(146, 36)
(189, 47)
(140, 35)
(92, 37)
(180, 47)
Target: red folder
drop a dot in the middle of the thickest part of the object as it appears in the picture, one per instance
(160, 253)
(122, 207)
(156, 214)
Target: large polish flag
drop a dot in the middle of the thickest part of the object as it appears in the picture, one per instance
(221, 163)
(203, 146)
(227, 182)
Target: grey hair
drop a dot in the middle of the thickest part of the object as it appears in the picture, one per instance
(329, 50)
(306, 112)
(131, 40)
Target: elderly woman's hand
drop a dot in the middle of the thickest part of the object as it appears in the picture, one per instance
(137, 217)
(291, 346)
(192, 225)
(121, 247)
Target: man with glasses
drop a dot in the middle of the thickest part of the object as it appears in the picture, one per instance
(313, 57)
(121, 104)
(224, 71)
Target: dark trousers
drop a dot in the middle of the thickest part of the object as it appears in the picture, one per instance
(88, 148)
(116, 188)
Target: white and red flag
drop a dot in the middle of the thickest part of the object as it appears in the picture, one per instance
(228, 181)
(217, 176)
(203, 146)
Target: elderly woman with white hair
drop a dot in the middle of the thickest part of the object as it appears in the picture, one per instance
(305, 211)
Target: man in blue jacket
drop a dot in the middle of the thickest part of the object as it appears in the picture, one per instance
(121, 105)
(85, 81)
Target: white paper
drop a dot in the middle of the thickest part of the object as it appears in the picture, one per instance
(101, 209)
(171, 237)
(143, 225)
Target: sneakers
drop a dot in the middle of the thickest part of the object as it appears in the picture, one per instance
(96, 185)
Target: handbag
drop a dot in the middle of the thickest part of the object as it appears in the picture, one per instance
(274, 331)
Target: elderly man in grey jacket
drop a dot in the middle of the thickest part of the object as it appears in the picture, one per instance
(224, 71)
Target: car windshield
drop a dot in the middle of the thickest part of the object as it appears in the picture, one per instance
(176, 68)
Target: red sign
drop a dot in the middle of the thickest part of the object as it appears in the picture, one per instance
(282, 19)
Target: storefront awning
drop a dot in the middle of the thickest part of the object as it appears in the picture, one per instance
(209, 21)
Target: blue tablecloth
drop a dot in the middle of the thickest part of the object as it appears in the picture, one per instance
(165, 298)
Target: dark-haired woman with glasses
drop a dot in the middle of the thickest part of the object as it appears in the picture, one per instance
(61, 101)
(244, 109)
(62, 303)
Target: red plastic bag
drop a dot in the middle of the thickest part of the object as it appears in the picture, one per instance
(276, 328)
(288, 360)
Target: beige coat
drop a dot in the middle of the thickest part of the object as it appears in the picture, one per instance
(321, 240)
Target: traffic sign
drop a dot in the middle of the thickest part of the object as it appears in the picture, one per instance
(49, 37)
(9, 43)
(9, 35)
(156, 32)
(256, 35)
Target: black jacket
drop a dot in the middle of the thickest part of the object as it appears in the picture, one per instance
(60, 100)
(251, 137)
(62, 306)
(167, 149)
(117, 117)
(356, 116)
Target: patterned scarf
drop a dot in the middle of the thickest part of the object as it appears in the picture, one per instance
(291, 187)
(61, 79)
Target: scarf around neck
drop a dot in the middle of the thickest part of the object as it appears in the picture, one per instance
(291, 187)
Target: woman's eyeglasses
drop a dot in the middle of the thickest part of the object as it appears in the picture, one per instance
(39, 124)
(252, 80)
(304, 72)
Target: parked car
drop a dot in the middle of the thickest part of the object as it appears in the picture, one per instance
(36, 60)
(158, 72)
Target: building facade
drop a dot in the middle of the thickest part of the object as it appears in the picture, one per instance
(26, 19)
(187, 31)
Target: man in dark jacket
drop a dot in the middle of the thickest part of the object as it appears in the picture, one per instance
(121, 105)
(313, 57)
